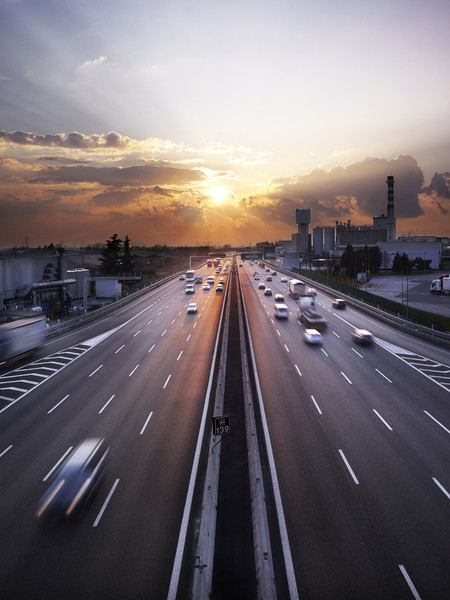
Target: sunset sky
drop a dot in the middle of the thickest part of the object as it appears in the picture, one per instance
(186, 122)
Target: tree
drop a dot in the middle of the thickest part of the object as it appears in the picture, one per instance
(348, 261)
(110, 261)
(401, 264)
(127, 260)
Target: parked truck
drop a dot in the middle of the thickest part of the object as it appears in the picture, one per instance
(20, 336)
(441, 285)
(307, 314)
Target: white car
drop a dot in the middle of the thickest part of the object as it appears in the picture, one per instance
(190, 288)
(312, 336)
(281, 311)
(311, 292)
(219, 288)
(279, 298)
(284, 279)
(206, 287)
(192, 307)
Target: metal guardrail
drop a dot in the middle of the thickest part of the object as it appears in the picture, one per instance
(73, 322)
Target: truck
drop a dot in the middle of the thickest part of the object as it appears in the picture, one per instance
(297, 288)
(20, 336)
(441, 285)
(307, 314)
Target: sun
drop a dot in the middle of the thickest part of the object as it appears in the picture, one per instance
(218, 193)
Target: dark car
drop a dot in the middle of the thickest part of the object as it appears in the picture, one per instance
(267, 292)
(76, 480)
(338, 303)
(362, 336)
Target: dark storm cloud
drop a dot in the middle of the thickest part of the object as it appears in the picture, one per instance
(439, 184)
(358, 189)
(72, 140)
(115, 176)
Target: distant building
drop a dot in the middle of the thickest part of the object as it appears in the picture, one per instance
(383, 228)
(303, 219)
(318, 241)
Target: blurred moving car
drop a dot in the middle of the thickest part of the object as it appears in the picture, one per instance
(311, 292)
(76, 480)
(267, 292)
(192, 307)
(219, 288)
(338, 303)
(206, 287)
(181, 278)
(284, 279)
(268, 278)
(278, 298)
(256, 277)
(261, 286)
(190, 288)
(362, 336)
(312, 336)
(281, 311)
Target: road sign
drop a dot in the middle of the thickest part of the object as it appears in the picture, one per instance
(221, 425)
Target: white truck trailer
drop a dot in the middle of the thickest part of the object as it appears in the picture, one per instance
(297, 288)
(19, 337)
(441, 285)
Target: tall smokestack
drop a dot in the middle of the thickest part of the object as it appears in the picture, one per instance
(391, 229)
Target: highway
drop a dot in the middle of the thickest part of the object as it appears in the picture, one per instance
(360, 438)
(141, 384)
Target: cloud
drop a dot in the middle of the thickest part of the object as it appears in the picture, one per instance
(73, 140)
(357, 190)
(93, 63)
(116, 176)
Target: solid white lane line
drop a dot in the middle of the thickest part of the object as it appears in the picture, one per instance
(436, 421)
(350, 470)
(298, 370)
(152, 348)
(133, 370)
(441, 487)
(58, 463)
(167, 381)
(119, 349)
(56, 405)
(317, 406)
(105, 405)
(146, 423)
(97, 369)
(6, 450)
(409, 582)
(102, 510)
(344, 375)
(383, 375)
(382, 420)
